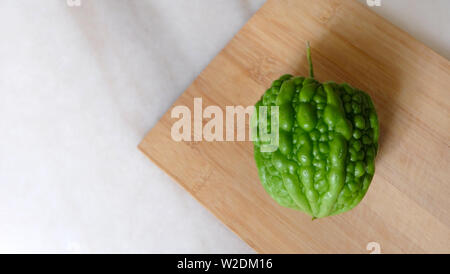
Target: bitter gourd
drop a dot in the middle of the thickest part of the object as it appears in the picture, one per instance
(327, 143)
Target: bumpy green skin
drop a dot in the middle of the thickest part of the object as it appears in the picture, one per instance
(328, 140)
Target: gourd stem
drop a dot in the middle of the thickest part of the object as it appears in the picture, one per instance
(308, 56)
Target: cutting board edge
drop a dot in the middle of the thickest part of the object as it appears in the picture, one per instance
(173, 177)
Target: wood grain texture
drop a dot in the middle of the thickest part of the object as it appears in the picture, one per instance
(407, 207)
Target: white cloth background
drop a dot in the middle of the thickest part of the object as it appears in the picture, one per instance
(80, 87)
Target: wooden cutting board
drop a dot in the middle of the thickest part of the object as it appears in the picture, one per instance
(407, 207)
